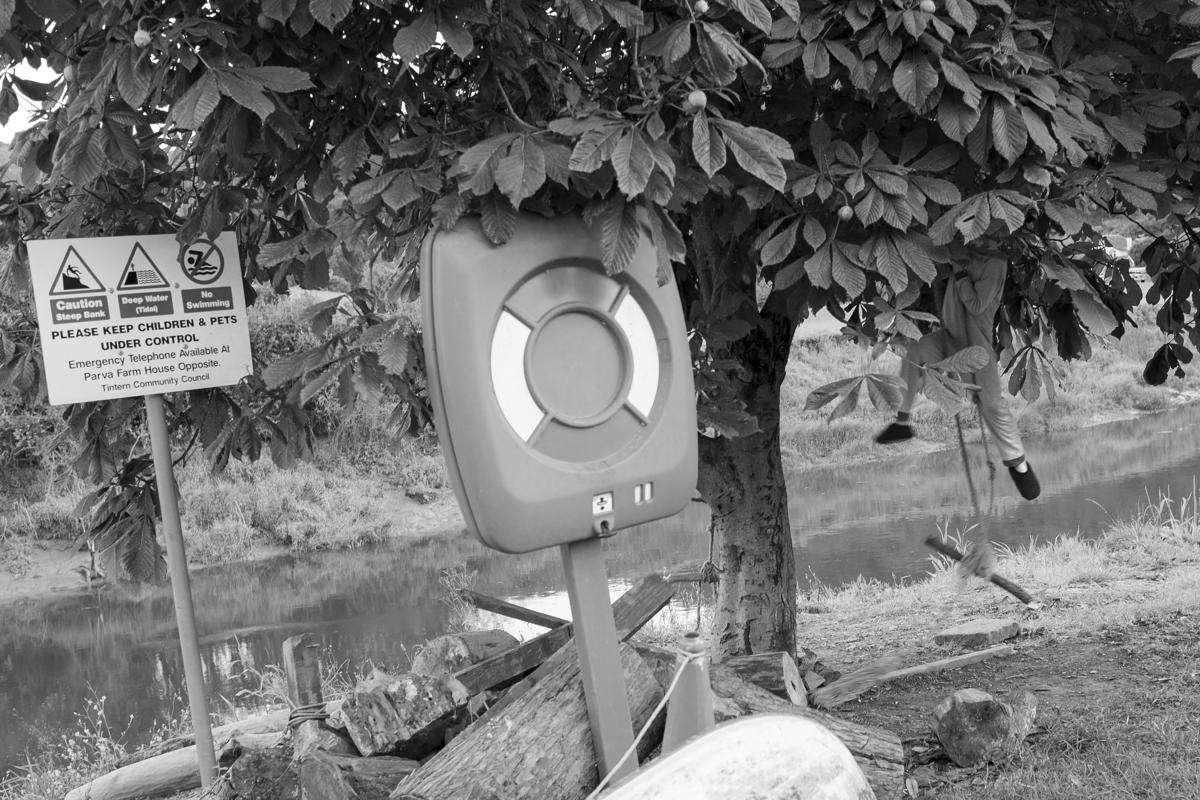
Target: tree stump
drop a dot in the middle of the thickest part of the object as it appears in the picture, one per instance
(539, 748)
(767, 757)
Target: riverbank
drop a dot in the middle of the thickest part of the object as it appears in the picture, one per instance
(1111, 658)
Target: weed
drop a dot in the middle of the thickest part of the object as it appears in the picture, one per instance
(463, 614)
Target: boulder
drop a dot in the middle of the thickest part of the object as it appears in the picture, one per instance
(975, 727)
(979, 633)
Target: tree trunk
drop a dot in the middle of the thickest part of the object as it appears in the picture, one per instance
(742, 481)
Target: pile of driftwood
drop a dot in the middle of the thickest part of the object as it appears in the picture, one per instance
(479, 715)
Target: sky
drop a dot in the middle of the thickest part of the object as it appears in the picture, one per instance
(20, 120)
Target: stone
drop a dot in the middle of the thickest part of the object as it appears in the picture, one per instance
(979, 633)
(813, 681)
(975, 727)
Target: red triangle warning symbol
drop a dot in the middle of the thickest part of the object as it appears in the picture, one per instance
(75, 276)
(140, 272)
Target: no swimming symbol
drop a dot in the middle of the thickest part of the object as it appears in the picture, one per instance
(202, 261)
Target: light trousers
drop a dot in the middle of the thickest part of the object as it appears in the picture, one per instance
(997, 416)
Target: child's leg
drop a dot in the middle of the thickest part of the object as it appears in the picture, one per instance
(928, 349)
(1002, 424)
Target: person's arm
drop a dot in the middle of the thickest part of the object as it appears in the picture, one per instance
(980, 293)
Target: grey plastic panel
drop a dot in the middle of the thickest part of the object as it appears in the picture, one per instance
(554, 384)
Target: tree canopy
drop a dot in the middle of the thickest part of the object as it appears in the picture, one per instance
(785, 156)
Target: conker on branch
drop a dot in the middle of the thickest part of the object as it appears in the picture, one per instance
(696, 100)
(845, 213)
(142, 37)
(69, 73)
(265, 22)
(701, 6)
(928, 6)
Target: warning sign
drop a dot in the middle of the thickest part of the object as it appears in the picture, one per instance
(140, 272)
(74, 275)
(122, 316)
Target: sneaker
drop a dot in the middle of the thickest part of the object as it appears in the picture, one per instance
(896, 432)
(1027, 482)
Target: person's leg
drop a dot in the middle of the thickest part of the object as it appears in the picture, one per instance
(928, 349)
(1002, 424)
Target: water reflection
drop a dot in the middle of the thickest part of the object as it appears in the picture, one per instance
(373, 608)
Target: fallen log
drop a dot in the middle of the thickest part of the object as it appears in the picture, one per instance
(452, 652)
(271, 722)
(539, 748)
(330, 777)
(853, 684)
(171, 772)
(767, 757)
(631, 611)
(878, 752)
(497, 606)
(776, 672)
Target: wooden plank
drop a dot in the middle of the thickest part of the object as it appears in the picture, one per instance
(508, 665)
(302, 665)
(631, 611)
(858, 682)
(776, 672)
(497, 606)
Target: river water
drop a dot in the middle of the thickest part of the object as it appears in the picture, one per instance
(372, 607)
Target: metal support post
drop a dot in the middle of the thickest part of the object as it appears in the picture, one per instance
(185, 615)
(599, 657)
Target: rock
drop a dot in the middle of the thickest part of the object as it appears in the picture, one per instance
(264, 775)
(813, 681)
(975, 727)
(979, 633)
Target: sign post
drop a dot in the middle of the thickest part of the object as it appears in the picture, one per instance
(181, 588)
(129, 316)
(599, 657)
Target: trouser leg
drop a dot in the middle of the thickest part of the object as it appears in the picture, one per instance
(930, 348)
(997, 415)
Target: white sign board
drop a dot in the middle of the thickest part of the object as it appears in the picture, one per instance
(125, 316)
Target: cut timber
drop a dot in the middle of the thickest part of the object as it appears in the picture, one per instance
(169, 773)
(302, 666)
(271, 722)
(452, 652)
(877, 751)
(404, 715)
(631, 611)
(329, 777)
(767, 757)
(497, 606)
(539, 748)
(853, 684)
(776, 672)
